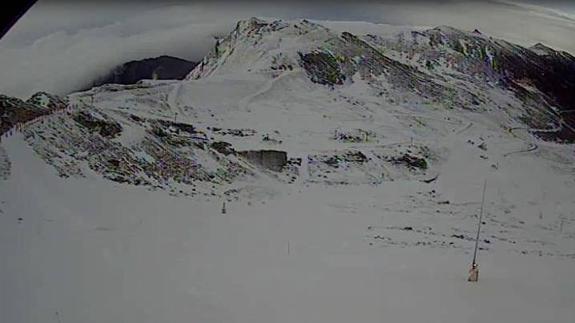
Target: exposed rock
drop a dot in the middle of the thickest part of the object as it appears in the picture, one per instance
(48, 101)
(14, 111)
(190, 129)
(410, 161)
(223, 147)
(322, 68)
(106, 128)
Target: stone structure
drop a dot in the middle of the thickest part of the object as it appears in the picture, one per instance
(271, 159)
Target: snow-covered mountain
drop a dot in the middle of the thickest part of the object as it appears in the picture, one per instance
(299, 173)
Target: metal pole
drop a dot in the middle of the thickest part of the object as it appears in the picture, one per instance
(479, 224)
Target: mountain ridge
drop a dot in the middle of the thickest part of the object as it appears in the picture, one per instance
(162, 67)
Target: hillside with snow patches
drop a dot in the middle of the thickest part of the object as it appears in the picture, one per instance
(299, 173)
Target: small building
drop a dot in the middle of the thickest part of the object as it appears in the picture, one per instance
(270, 159)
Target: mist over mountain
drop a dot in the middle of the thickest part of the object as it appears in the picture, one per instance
(63, 46)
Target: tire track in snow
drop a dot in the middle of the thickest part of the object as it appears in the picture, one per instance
(530, 148)
(5, 164)
(462, 130)
(244, 102)
(172, 100)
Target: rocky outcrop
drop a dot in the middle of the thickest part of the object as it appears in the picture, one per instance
(223, 147)
(14, 111)
(106, 128)
(322, 68)
(5, 164)
(48, 101)
(410, 161)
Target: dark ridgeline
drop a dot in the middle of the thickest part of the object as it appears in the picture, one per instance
(159, 68)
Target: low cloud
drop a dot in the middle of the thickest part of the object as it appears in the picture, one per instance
(60, 47)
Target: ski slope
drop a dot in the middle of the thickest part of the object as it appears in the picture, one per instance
(93, 251)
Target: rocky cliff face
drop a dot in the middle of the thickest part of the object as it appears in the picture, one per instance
(14, 111)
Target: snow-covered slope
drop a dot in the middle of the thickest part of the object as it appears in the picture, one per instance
(299, 173)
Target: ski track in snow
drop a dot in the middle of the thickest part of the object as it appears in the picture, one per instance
(4, 164)
(244, 103)
(531, 146)
(173, 101)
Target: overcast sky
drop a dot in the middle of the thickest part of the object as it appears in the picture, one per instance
(61, 46)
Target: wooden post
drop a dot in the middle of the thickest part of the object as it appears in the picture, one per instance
(561, 218)
(473, 273)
